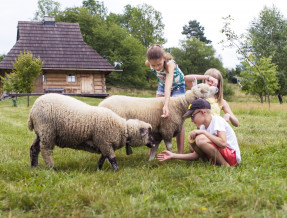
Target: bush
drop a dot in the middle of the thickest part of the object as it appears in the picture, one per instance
(228, 92)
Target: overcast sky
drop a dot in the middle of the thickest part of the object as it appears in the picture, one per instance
(175, 15)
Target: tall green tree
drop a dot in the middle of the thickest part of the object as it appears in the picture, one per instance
(195, 57)
(46, 8)
(144, 23)
(267, 36)
(254, 83)
(95, 7)
(194, 29)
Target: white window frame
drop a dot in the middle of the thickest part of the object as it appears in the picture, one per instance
(71, 78)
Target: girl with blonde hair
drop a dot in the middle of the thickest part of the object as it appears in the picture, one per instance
(213, 77)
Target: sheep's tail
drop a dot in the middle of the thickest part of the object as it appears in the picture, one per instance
(30, 124)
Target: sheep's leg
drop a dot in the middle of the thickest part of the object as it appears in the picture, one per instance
(153, 151)
(101, 161)
(34, 152)
(168, 145)
(128, 150)
(46, 154)
(108, 152)
(113, 163)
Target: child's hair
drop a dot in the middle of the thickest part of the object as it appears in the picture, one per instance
(157, 52)
(216, 74)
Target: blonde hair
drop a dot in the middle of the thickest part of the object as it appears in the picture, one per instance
(157, 52)
(217, 75)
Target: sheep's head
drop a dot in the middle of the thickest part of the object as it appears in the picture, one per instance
(139, 133)
(200, 91)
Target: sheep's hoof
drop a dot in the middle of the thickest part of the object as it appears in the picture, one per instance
(113, 162)
(34, 164)
(150, 158)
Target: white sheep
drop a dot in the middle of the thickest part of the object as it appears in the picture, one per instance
(150, 110)
(67, 122)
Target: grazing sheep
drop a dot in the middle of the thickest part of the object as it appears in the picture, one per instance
(67, 122)
(150, 110)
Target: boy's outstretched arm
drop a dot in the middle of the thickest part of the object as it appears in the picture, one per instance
(165, 155)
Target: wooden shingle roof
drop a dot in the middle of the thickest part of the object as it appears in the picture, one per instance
(59, 45)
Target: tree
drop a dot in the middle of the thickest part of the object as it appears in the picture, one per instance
(233, 40)
(22, 79)
(193, 29)
(144, 23)
(195, 57)
(2, 57)
(95, 7)
(26, 69)
(254, 83)
(129, 54)
(46, 8)
(267, 36)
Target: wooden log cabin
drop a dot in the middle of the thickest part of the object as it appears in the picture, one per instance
(70, 65)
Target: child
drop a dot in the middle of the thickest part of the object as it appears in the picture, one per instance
(170, 81)
(214, 140)
(213, 77)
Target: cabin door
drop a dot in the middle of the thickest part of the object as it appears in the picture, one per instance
(87, 85)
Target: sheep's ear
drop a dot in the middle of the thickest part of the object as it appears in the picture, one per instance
(143, 131)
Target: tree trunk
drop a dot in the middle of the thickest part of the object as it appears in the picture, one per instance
(261, 98)
(280, 99)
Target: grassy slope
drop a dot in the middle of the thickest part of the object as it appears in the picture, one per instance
(257, 188)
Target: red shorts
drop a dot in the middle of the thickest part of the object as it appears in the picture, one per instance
(228, 154)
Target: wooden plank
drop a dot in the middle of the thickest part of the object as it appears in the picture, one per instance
(97, 95)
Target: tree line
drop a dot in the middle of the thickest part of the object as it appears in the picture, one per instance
(123, 40)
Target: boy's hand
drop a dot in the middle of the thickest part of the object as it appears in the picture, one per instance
(194, 133)
(165, 155)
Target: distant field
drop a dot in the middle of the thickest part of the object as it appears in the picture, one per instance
(256, 188)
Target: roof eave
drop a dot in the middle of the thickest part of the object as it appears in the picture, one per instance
(95, 69)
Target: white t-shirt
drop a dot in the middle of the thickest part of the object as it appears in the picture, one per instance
(219, 124)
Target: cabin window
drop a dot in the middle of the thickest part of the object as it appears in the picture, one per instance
(71, 78)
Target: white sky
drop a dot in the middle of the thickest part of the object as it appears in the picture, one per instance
(175, 15)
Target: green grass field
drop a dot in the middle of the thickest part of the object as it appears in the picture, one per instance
(174, 188)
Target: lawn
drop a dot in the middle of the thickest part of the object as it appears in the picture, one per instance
(174, 188)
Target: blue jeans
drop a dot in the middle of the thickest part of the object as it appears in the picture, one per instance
(180, 90)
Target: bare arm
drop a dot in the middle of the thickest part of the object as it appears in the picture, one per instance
(189, 79)
(168, 85)
(166, 155)
(220, 140)
(229, 116)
